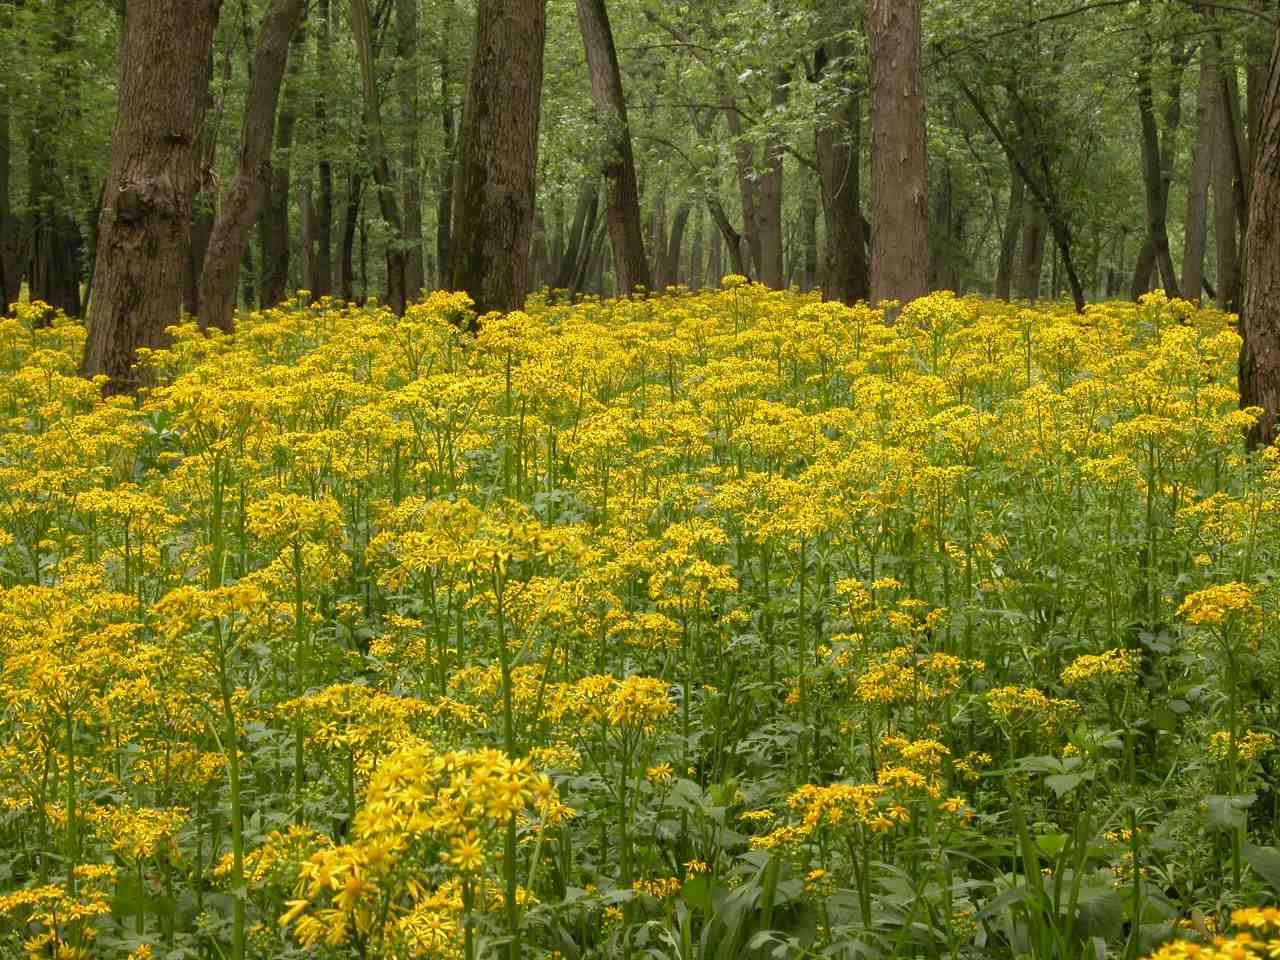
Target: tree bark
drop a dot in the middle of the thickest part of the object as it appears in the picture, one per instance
(1153, 173)
(241, 205)
(1032, 264)
(448, 160)
(899, 165)
(345, 277)
(10, 272)
(623, 203)
(1144, 269)
(1260, 355)
(580, 233)
(388, 206)
(1012, 232)
(274, 220)
(407, 27)
(769, 207)
(1197, 225)
(809, 225)
(152, 179)
(837, 144)
(675, 243)
(1225, 202)
(321, 279)
(696, 252)
(732, 240)
(744, 160)
(498, 150)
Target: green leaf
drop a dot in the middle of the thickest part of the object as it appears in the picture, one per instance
(1265, 862)
(1226, 812)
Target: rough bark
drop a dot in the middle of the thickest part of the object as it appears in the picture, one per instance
(345, 274)
(1196, 223)
(1012, 232)
(241, 205)
(837, 143)
(388, 205)
(152, 179)
(899, 166)
(407, 27)
(622, 210)
(498, 149)
(1260, 355)
(1144, 269)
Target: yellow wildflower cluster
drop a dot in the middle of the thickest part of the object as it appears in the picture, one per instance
(1259, 940)
(1120, 665)
(1021, 708)
(1249, 746)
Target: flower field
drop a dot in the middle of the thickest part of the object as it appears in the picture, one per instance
(714, 625)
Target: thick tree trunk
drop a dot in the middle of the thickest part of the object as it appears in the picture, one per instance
(388, 206)
(837, 144)
(241, 205)
(345, 277)
(448, 161)
(769, 207)
(1260, 356)
(899, 165)
(498, 150)
(623, 204)
(1144, 269)
(415, 277)
(1032, 263)
(1197, 221)
(1012, 232)
(153, 175)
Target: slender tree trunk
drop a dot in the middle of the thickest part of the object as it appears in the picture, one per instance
(539, 253)
(696, 251)
(274, 219)
(321, 280)
(1260, 355)
(769, 207)
(809, 222)
(580, 233)
(448, 160)
(153, 175)
(744, 160)
(10, 273)
(899, 165)
(1152, 169)
(362, 30)
(345, 278)
(675, 243)
(498, 150)
(715, 258)
(733, 241)
(837, 144)
(1225, 200)
(623, 206)
(1032, 265)
(1197, 220)
(407, 27)
(1012, 231)
(240, 207)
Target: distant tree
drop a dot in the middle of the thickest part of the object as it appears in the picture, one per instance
(151, 182)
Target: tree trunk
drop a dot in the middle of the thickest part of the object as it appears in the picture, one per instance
(448, 161)
(321, 280)
(732, 240)
(345, 278)
(580, 233)
(1260, 355)
(1225, 201)
(152, 179)
(899, 166)
(696, 252)
(1196, 230)
(275, 214)
(1153, 174)
(240, 206)
(1009, 239)
(623, 204)
(388, 206)
(1033, 237)
(10, 273)
(769, 208)
(671, 270)
(744, 160)
(715, 259)
(1144, 269)
(415, 278)
(837, 144)
(809, 223)
(498, 151)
